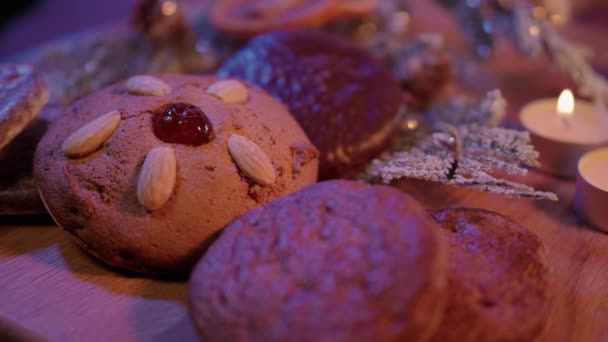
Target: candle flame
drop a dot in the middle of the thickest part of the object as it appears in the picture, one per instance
(565, 103)
(169, 8)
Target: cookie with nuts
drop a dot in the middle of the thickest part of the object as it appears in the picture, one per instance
(145, 173)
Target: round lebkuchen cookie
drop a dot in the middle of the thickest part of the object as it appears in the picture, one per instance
(143, 174)
(337, 261)
(23, 93)
(498, 279)
(346, 101)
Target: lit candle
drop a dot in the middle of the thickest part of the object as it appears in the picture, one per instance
(592, 188)
(566, 105)
(563, 130)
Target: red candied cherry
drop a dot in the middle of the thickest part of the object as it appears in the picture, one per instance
(182, 123)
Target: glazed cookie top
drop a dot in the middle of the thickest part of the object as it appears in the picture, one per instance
(345, 100)
(337, 261)
(498, 279)
(145, 171)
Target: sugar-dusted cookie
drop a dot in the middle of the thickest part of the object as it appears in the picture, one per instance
(337, 261)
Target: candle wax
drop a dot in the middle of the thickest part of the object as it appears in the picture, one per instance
(594, 168)
(585, 126)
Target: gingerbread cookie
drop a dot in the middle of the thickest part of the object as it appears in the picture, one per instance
(338, 261)
(498, 279)
(345, 100)
(145, 173)
(23, 93)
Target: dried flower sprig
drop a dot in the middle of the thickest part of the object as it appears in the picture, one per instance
(484, 182)
(490, 111)
(460, 159)
(464, 153)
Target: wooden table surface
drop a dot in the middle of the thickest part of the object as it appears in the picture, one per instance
(51, 288)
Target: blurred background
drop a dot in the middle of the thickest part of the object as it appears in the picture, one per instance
(27, 23)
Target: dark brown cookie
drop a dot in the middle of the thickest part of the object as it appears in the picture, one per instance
(23, 93)
(144, 173)
(338, 261)
(498, 279)
(345, 100)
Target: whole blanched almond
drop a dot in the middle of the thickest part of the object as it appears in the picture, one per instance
(229, 91)
(157, 178)
(251, 159)
(91, 136)
(147, 85)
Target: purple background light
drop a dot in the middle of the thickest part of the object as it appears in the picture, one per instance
(50, 19)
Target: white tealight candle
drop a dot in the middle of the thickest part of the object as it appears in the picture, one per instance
(563, 130)
(591, 197)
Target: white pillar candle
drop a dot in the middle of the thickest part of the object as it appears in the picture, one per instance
(562, 130)
(591, 199)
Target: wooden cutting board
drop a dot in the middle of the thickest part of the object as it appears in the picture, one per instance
(50, 288)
